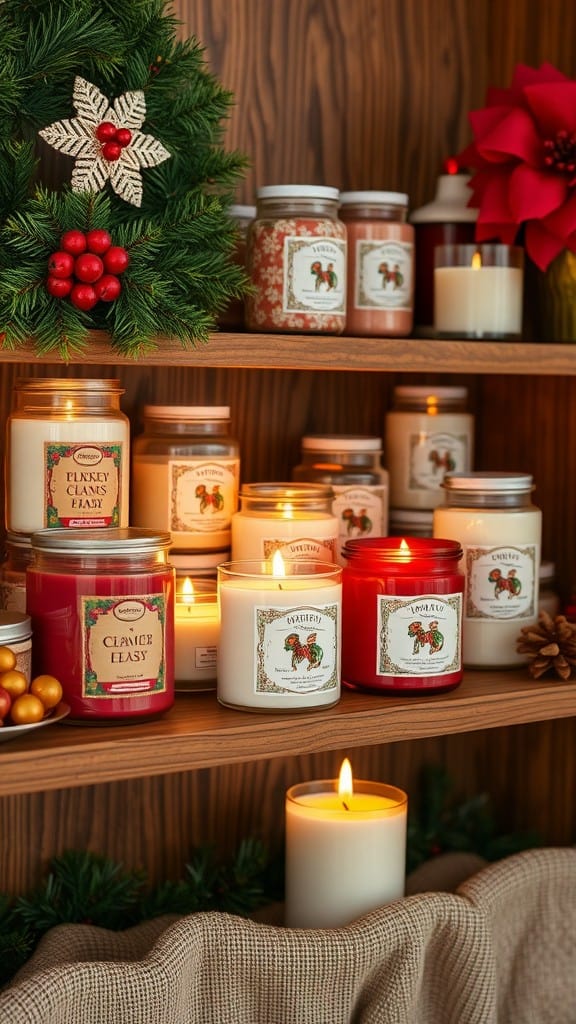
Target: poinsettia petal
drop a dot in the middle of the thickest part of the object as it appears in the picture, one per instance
(491, 194)
(534, 194)
(91, 105)
(487, 231)
(541, 246)
(514, 135)
(562, 222)
(553, 106)
(90, 174)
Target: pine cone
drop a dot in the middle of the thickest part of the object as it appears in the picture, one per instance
(551, 644)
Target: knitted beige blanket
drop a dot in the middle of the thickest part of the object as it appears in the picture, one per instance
(500, 950)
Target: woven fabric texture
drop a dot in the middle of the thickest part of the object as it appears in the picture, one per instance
(482, 955)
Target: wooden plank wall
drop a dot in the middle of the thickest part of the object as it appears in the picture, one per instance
(369, 94)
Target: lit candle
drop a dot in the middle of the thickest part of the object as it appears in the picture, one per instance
(197, 630)
(296, 519)
(280, 634)
(478, 290)
(345, 849)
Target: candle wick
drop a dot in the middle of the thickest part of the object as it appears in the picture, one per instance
(345, 806)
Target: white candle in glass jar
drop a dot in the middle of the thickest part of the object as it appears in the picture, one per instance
(68, 456)
(477, 299)
(428, 434)
(280, 634)
(500, 530)
(196, 635)
(345, 850)
(295, 519)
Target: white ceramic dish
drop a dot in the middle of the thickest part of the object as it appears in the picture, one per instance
(12, 732)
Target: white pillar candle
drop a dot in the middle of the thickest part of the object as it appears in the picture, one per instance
(345, 850)
(196, 635)
(295, 519)
(478, 299)
(280, 635)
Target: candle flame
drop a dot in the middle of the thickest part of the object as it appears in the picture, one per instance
(345, 784)
(187, 591)
(477, 260)
(404, 550)
(278, 567)
(432, 405)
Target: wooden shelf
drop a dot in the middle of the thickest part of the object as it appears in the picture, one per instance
(316, 352)
(198, 733)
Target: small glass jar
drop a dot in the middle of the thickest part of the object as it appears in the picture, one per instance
(102, 611)
(16, 633)
(428, 433)
(294, 519)
(185, 475)
(350, 464)
(492, 516)
(68, 456)
(17, 558)
(297, 261)
(402, 615)
(196, 634)
(232, 318)
(380, 263)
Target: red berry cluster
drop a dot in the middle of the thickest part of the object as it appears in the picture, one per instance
(86, 268)
(113, 139)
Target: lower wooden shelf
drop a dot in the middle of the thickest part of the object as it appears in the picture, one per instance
(199, 733)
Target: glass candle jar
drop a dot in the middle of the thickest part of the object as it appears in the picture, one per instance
(350, 464)
(478, 291)
(500, 530)
(295, 519)
(102, 611)
(16, 633)
(428, 433)
(17, 558)
(380, 263)
(197, 630)
(297, 261)
(280, 634)
(185, 473)
(68, 456)
(402, 615)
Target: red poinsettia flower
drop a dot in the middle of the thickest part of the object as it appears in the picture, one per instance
(524, 156)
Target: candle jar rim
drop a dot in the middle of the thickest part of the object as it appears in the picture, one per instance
(260, 568)
(205, 591)
(461, 254)
(388, 550)
(284, 491)
(360, 786)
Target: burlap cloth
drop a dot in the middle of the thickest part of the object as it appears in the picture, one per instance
(499, 949)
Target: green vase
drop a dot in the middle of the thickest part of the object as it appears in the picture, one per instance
(557, 299)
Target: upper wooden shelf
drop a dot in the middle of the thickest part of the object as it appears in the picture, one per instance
(199, 733)
(319, 352)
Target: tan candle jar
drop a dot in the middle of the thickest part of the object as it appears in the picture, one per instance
(380, 263)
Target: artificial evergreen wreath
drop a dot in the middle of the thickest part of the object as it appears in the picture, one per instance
(114, 184)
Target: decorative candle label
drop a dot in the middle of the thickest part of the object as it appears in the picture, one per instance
(302, 548)
(203, 495)
(315, 274)
(502, 582)
(205, 657)
(419, 636)
(123, 644)
(82, 484)
(296, 649)
(359, 510)
(433, 455)
(384, 275)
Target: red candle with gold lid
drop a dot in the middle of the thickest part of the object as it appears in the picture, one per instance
(402, 615)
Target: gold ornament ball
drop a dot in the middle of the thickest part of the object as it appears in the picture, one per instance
(27, 709)
(48, 689)
(15, 682)
(7, 659)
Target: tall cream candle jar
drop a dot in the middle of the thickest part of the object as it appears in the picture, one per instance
(429, 432)
(500, 530)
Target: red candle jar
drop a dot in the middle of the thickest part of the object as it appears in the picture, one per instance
(402, 615)
(102, 611)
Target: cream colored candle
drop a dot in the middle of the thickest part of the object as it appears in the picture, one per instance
(196, 635)
(280, 634)
(345, 850)
(428, 433)
(295, 519)
(500, 530)
(478, 299)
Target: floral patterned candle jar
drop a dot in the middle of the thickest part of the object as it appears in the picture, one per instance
(102, 611)
(297, 261)
(402, 615)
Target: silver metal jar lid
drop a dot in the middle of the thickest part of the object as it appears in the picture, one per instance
(128, 540)
(297, 192)
(375, 198)
(341, 443)
(288, 491)
(14, 626)
(495, 483)
(178, 413)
